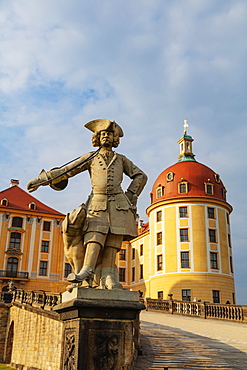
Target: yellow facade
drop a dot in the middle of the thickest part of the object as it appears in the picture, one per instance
(201, 277)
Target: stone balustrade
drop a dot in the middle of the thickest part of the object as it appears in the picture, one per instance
(204, 310)
(46, 300)
(39, 299)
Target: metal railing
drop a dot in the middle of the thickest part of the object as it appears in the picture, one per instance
(16, 274)
(203, 310)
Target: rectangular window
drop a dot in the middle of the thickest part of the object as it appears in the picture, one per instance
(141, 250)
(159, 262)
(213, 260)
(43, 268)
(184, 235)
(122, 255)
(141, 272)
(229, 241)
(15, 241)
(159, 238)
(216, 296)
(212, 235)
(17, 222)
(133, 274)
(209, 189)
(186, 295)
(121, 274)
(211, 212)
(231, 264)
(45, 246)
(159, 216)
(183, 187)
(160, 295)
(67, 269)
(183, 212)
(47, 226)
(185, 259)
(228, 219)
(133, 253)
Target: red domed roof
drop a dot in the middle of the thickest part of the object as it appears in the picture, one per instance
(194, 175)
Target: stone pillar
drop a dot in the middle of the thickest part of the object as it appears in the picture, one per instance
(101, 328)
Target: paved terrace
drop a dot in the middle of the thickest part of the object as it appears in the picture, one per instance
(173, 342)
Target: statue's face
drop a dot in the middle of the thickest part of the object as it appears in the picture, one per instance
(106, 138)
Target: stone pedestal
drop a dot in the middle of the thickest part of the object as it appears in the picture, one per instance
(101, 329)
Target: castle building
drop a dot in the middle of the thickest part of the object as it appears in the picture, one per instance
(185, 250)
(31, 246)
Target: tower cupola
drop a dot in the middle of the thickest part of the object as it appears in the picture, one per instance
(185, 143)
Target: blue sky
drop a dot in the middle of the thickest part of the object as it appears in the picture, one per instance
(147, 64)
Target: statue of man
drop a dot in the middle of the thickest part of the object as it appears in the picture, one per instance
(109, 215)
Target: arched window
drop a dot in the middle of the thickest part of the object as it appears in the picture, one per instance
(15, 241)
(12, 267)
(17, 222)
(4, 202)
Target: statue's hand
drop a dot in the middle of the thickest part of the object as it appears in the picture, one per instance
(129, 195)
(34, 184)
(132, 197)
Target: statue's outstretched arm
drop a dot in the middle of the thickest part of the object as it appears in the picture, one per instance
(57, 175)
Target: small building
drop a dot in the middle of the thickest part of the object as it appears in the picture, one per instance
(185, 251)
(31, 246)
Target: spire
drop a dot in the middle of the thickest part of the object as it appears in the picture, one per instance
(185, 143)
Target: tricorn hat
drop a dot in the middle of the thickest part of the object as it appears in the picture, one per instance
(104, 125)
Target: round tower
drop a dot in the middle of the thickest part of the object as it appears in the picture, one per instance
(190, 238)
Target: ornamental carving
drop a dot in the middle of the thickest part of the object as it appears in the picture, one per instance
(106, 349)
(69, 351)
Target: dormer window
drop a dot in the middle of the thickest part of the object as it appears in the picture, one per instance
(217, 178)
(224, 191)
(183, 187)
(4, 202)
(159, 191)
(209, 188)
(32, 205)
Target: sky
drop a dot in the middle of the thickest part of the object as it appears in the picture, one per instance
(148, 65)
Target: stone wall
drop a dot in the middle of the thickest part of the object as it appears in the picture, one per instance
(4, 311)
(34, 339)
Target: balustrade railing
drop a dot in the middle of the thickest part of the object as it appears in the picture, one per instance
(157, 304)
(39, 299)
(46, 300)
(203, 310)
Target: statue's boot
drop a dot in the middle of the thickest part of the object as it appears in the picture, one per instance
(86, 273)
(109, 279)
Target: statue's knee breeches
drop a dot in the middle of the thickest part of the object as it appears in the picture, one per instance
(108, 240)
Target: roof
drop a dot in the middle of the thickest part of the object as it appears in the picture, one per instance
(195, 174)
(19, 199)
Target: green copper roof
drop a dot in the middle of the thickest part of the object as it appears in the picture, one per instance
(186, 158)
(185, 136)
